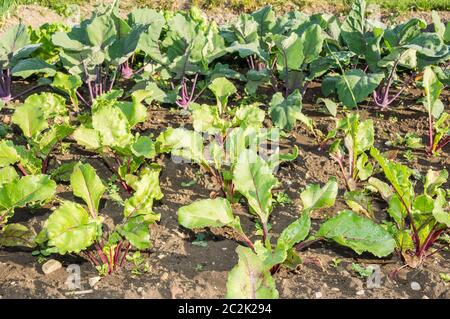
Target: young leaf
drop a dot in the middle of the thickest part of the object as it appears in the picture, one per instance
(8, 153)
(250, 278)
(70, 229)
(30, 119)
(222, 89)
(314, 197)
(358, 233)
(355, 85)
(253, 178)
(285, 112)
(206, 213)
(295, 232)
(87, 185)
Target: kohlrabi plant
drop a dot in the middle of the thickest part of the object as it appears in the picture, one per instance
(85, 230)
(358, 137)
(417, 219)
(438, 119)
(95, 51)
(107, 131)
(44, 123)
(16, 59)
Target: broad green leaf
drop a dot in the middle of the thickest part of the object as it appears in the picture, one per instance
(250, 116)
(182, 143)
(29, 189)
(144, 147)
(50, 103)
(206, 213)
(70, 229)
(423, 204)
(8, 174)
(295, 232)
(101, 31)
(8, 153)
(222, 89)
(13, 235)
(69, 84)
(285, 112)
(330, 105)
(383, 188)
(205, 118)
(253, 178)
(441, 208)
(250, 278)
(87, 185)
(290, 51)
(359, 202)
(358, 233)
(315, 197)
(355, 85)
(30, 119)
(137, 232)
(434, 180)
(88, 138)
(354, 27)
(28, 67)
(146, 191)
(54, 135)
(112, 125)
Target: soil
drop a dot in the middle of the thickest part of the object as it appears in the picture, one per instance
(178, 268)
(181, 269)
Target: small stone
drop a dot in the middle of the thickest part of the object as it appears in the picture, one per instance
(51, 266)
(335, 289)
(140, 290)
(425, 297)
(165, 276)
(94, 280)
(360, 292)
(161, 256)
(415, 286)
(318, 295)
(224, 248)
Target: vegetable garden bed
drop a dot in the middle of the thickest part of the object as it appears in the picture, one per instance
(174, 157)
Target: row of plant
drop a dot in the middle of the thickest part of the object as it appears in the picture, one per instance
(105, 71)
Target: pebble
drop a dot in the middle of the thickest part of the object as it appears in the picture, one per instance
(415, 286)
(318, 295)
(165, 276)
(50, 266)
(224, 248)
(94, 280)
(360, 292)
(425, 297)
(140, 290)
(335, 289)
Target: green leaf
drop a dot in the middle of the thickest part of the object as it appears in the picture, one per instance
(50, 103)
(222, 89)
(28, 67)
(8, 153)
(434, 180)
(88, 137)
(295, 232)
(29, 189)
(250, 278)
(69, 84)
(101, 31)
(87, 185)
(70, 229)
(144, 147)
(423, 204)
(433, 88)
(30, 119)
(182, 143)
(206, 213)
(147, 190)
(285, 112)
(441, 208)
(398, 175)
(253, 178)
(329, 104)
(8, 174)
(358, 233)
(354, 27)
(54, 135)
(13, 235)
(137, 232)
(355, 86)
(113, 126)
(314, 197)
